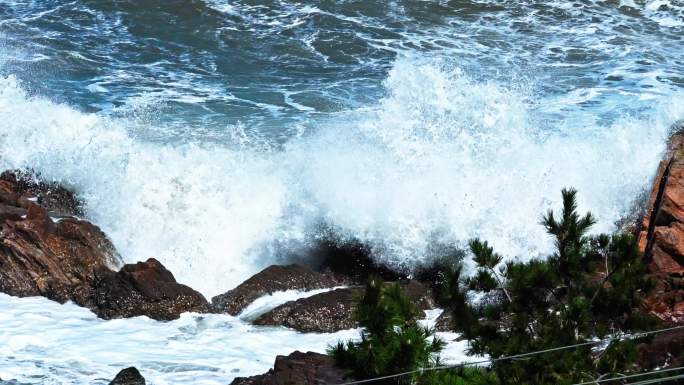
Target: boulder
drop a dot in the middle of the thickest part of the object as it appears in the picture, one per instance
(420, 294)
(18, 188)
(145, 288)
(128, 376)
(57, 260)
(332, 311)
(666, 347)
(661, 235)
(270, 280)
(322, 313)
(64, 258)
(300, 369)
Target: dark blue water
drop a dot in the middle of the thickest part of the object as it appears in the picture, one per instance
(276, 64)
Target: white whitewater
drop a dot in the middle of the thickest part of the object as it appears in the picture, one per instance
(441, 158)
(42, 342)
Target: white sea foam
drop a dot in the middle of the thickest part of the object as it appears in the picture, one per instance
(268, 302)
(441, 158)
(43, 342)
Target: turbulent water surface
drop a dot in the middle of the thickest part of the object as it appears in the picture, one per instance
(221, 136)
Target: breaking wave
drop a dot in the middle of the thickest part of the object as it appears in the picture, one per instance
(442, 157)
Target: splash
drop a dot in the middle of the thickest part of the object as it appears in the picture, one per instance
(441, 158)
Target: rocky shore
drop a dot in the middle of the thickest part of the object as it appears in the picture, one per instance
(661, 233)
(47, 249)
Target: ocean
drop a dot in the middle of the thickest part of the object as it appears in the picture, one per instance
(223, 136)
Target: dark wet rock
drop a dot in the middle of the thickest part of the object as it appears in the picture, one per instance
(322, 313)
(39, 257)
(420, 294)
(145, 288)
(666, 347)
(19, 188)
(68, 259)
(11, 212)
(298, 369)
(352, 259)
(128, 376)
(333, 310)
(270, 280)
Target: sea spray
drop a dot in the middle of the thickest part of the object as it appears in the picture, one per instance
(441, 158)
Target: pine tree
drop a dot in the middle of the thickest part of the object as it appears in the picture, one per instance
(591, 286)
(391, 340)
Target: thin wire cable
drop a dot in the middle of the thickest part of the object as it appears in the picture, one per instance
(512, 357)
(630, 376)
(657, 380)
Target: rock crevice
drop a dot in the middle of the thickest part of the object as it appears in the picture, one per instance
(661, 235)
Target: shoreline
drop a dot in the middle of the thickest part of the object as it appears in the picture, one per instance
(283, 298)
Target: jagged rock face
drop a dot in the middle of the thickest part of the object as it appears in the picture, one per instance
(352, 259)
(332, 311)
(298, 368)
(54, 260)
(270, 280)
(18, 188)
(662, 234)
(128, 376)
(63, 258)
(144, 288)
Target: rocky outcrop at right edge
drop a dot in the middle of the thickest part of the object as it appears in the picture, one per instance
(661, 238)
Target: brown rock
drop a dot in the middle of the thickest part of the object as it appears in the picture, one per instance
(39, 257)
(322, 313)
(333, 310)
(667, 347)
(662, 231)
(270, 280)
(69, 259)
(420, 294)
(8, 194)
(144, 288)
(18, 188)
(444, 322)
(11, 212)
(298, 369)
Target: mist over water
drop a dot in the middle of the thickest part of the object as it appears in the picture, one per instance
(222, 141)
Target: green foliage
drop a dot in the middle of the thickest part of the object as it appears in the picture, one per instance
(591, 286)
(461, 376)
(391, 340)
